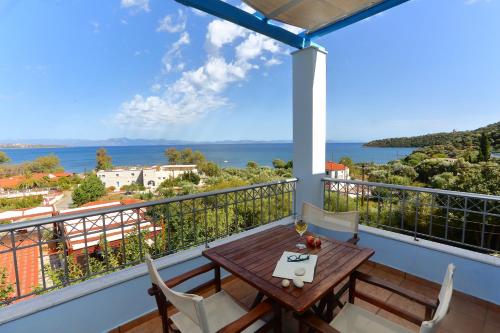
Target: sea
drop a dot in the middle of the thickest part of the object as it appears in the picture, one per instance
(81, 159)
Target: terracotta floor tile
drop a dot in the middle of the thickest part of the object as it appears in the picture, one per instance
(466, 306)
(388, 274)
(420, 288)
(489, 328)
(458, 322)
(407, 305)
(398, 320)
(493, 315)
(371, 290)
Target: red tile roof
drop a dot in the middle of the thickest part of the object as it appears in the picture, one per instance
(332, 166)
(27, 262)
(14, 181)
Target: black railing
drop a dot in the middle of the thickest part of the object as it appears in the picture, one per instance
(467, 220)
(51, 253)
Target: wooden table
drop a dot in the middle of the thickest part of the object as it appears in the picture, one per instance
(253, 259)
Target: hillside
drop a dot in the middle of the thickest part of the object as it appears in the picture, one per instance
(459, 139)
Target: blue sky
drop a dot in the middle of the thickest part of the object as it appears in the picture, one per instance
(155, 69)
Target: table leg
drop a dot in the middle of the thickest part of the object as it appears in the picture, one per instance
(217, 278)
(277, 318)
(352, 287)
(257, 300)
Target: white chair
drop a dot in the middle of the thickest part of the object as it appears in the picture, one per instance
(335, 221)
(354, 319)
(217, 313)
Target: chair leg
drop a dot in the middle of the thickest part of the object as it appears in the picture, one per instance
(161, 302)
(257, 300)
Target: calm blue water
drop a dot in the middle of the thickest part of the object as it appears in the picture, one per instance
(79, 159)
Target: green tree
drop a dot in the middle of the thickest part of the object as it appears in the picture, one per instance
(3, 157)
(484, 147)
(279, 164)
(210, 169)
(103, 160)
(185, 156)
(191, 177)
(347, 161)
(44, 164)
(91, 188)
(6, 288)
(252, 165)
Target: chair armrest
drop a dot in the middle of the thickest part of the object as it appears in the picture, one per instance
(315, 323)
(248, 319)
(411, 295)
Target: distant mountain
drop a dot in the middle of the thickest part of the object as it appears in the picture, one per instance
(459, 139)
(122, 142)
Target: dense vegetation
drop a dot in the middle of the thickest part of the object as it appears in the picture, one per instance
(457, 139)
(19, 203)
(42, 164)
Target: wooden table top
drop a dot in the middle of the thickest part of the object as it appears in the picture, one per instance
(253, 259)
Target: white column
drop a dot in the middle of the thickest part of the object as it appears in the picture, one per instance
(309, 124)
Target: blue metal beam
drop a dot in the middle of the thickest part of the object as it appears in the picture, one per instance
(378, 8)
(257, 23)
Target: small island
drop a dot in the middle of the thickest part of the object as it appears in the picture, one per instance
(458, 139)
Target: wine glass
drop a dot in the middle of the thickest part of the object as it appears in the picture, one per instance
(300, 227)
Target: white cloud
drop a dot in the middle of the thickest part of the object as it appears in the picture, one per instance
(168, 23)
(273, 62)
(200, 90)
(220, 32)
(156, 87)
(175, 54)
(255, 45)
(136, 4)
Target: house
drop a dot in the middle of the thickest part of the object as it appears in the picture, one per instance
(149, 177)
(337, 170)
(88, 232)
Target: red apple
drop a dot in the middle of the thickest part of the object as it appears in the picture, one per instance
(310, 241)
(317, 242)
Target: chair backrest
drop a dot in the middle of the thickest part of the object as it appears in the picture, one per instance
(336, 221)
(189, 304)
(445, 293)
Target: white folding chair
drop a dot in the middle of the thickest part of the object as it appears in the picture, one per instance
(355, 319)
(197, 314)
(335, 221)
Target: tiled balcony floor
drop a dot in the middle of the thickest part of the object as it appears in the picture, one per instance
(467, 314)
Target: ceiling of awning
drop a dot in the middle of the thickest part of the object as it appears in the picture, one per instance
(310, 14)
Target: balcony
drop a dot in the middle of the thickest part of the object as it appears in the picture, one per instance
(89, 265)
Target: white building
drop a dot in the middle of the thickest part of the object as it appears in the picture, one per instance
(149, 177)
(119, 177)
(337, 170)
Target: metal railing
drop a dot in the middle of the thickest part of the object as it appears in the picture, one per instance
(51, 253)
(466, 220)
